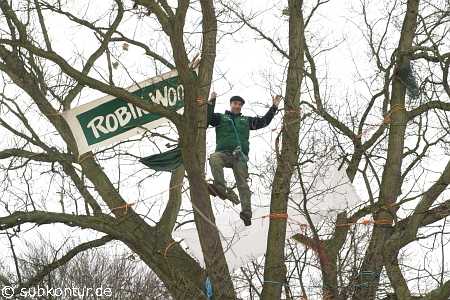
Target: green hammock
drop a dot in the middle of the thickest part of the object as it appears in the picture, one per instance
(166, 161)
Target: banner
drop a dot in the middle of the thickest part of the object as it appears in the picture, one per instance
(109, 120)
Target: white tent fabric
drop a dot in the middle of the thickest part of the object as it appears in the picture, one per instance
(328, 191)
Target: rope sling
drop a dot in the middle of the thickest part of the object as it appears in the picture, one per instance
(238, 150)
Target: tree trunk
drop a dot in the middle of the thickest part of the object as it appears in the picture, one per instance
(193, 144)
(274, 268)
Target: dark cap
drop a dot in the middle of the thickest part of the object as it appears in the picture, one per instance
(237, 98)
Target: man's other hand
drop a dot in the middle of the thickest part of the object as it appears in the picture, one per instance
(201, 100)
(276, 100)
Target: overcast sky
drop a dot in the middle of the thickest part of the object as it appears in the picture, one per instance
(245, 65)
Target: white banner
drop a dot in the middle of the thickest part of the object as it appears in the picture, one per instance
(110, 120)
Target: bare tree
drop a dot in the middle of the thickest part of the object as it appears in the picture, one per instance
(409, 93)
(126, 276)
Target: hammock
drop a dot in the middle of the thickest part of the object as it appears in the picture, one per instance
(166, 161)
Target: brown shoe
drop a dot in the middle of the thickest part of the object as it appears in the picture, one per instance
(215, 191)
(229, 194)
(246, 217)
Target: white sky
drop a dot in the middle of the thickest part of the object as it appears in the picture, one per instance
(249, 65)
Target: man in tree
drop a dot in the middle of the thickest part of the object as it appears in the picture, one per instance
(232, 147)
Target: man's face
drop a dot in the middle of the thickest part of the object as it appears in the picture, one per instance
(235, 106)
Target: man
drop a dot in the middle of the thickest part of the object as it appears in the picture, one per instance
(232, 147)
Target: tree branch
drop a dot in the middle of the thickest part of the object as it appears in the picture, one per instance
(87, 80)
(163, 18)
(43, 157)
(102, 223)
(428, 106)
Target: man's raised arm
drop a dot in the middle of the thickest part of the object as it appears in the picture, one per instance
(213, 118)
(261, 122)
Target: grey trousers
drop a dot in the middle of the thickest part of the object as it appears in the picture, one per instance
(220, 160)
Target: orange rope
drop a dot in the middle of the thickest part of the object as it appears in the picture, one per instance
(82, 158)
(367, 222)
(277, 216)
(387, 117)
(291, 111)
(125, 206)
(386, 120)
(281, 216)
(304, 226)
(201, 100)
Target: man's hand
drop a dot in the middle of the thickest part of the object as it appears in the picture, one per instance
(276, 100)
(201, 100)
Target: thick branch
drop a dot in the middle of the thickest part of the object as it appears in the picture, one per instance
(87, 80)
(81, 186)
(320, 109)
(155, 8)
(409, 232)
(42, 157)
(428, 106)
(170, 214)
(102, 223)
(440, 293)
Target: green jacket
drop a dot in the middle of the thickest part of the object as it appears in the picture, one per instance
(226, 139)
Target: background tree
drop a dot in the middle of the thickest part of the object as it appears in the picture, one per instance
(120, 272)
(30, 61)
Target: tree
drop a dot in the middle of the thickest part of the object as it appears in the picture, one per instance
(118, 274)
(26, 52)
